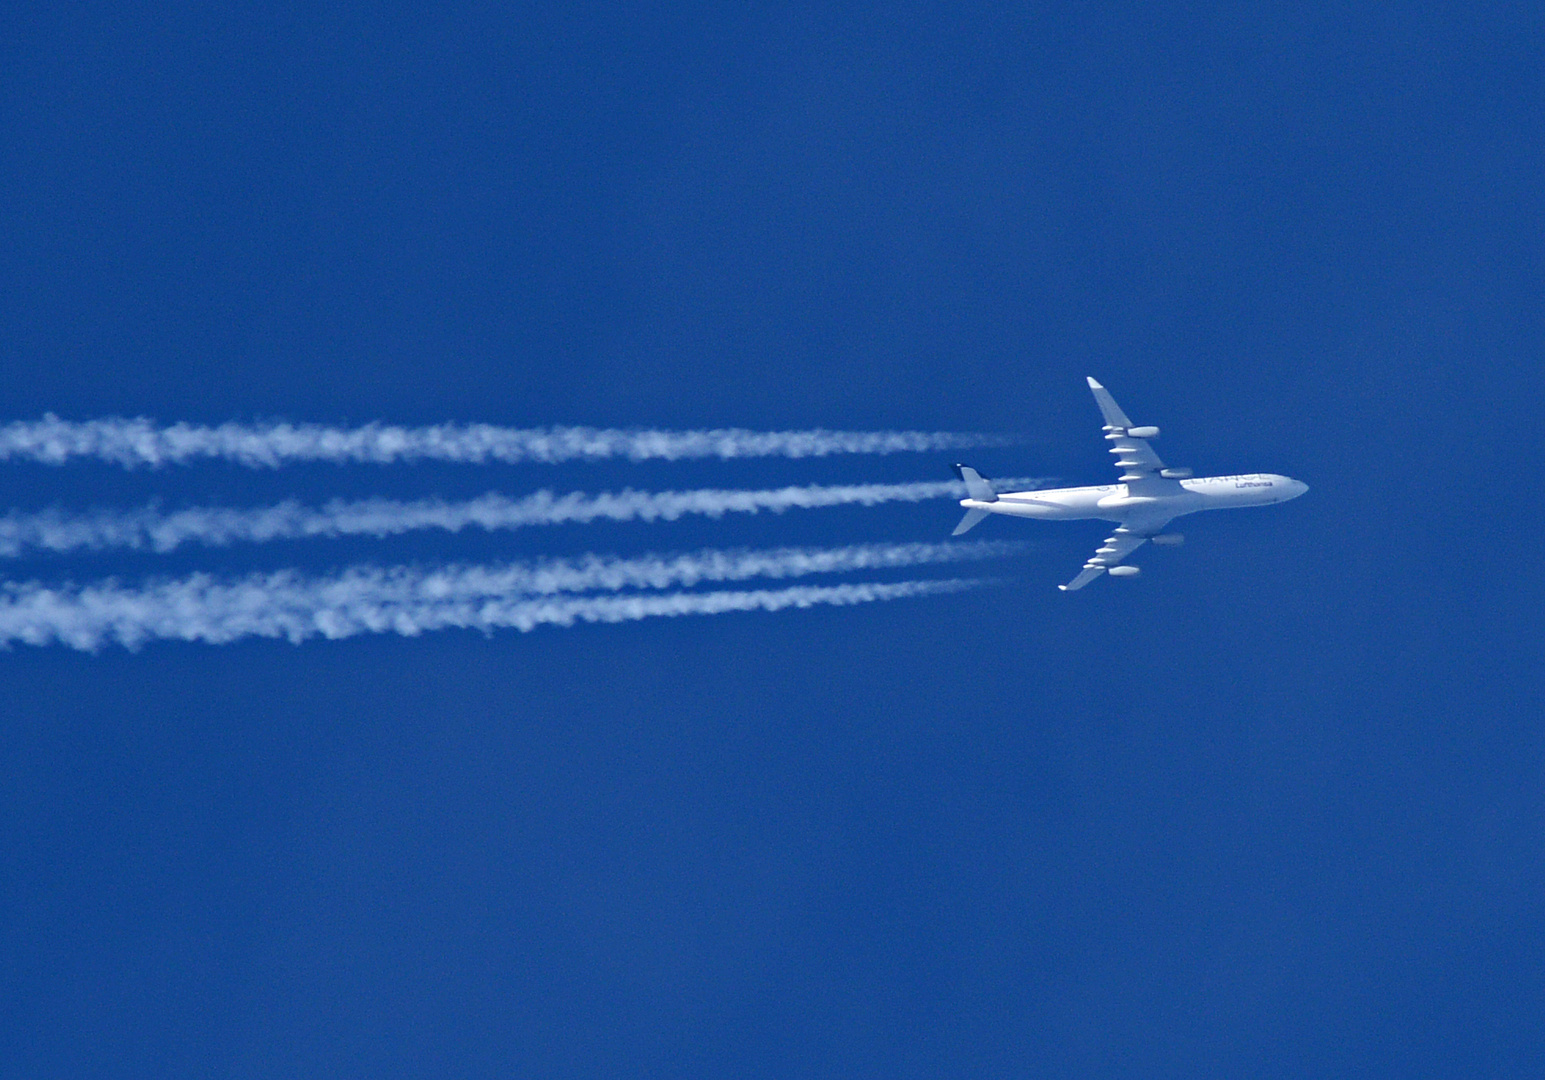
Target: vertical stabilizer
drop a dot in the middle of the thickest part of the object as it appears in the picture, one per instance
(977, 486)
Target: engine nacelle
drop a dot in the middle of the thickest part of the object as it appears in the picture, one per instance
(1168, 539)
(1176, 474)
(1123, 571)
(1143, 432)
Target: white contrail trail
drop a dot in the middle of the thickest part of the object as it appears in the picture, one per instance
(142, 442)
(290, 605)
(610, 573)
(152, 529)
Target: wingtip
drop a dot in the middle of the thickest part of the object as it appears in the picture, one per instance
(1094, 384)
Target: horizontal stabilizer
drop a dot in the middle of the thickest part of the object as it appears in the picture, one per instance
(976, 484)
(969, 522)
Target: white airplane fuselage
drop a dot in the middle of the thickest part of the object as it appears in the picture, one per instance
(1114, 502)
(1146, 497)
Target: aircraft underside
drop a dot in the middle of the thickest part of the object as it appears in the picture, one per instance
(1148, 496)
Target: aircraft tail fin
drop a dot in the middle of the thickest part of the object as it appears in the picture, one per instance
(976, 484)
(969, 522)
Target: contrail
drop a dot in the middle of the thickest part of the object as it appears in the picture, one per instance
(140, 441)
(292, 606)
(152, 529)
(610, 573)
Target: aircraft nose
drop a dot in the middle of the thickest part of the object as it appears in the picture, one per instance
(1299, 487)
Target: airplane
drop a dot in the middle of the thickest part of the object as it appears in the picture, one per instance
(1149, 496)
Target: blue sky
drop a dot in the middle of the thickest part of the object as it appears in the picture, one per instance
(1273, 808)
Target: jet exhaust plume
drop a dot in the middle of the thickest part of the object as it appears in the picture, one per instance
(295, 607)
(607, 573)
(152, 529)
(141, 442)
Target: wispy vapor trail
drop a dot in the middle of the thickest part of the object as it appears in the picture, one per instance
(610, 573)
(141, 442)
(152, 529)
(295, 607)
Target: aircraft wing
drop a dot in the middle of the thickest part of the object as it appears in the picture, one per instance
(1116, 548)
(1134, 457)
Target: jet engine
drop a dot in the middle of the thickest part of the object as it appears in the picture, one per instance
(1143, 432)
(1123, 571)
